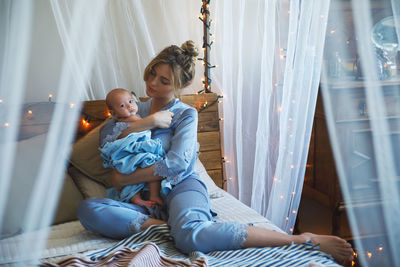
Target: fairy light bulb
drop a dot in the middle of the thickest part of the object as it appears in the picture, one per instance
(6, 124)
(292, 166)
(369, 254)
(71, 105)
(281, 196)
(50, 97)
(294, 211)
(332, 32)
(380, 248)
(287, 218)
(1, 101)
(30, 112)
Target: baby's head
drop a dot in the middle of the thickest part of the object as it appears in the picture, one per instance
(121, 103)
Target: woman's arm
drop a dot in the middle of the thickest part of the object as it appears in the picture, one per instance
(160, 119)
(177, 160)
(183, 145)
(141, 175)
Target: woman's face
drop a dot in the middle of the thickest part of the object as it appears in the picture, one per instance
(159, 82)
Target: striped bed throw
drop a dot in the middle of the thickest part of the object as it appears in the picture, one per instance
(155, 247)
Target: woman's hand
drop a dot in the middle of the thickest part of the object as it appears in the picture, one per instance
(162, 119)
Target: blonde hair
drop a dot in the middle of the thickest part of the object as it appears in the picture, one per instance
(180, 59)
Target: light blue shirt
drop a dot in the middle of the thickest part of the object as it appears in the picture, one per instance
(179, 141)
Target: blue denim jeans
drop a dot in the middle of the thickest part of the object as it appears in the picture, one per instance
(188, 207)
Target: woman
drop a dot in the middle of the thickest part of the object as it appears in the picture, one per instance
(187, 204)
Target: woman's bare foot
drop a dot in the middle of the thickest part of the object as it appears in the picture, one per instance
(339, 248)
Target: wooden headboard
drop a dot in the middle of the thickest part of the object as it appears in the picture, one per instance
(208, 134)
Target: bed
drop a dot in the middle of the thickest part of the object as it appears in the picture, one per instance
(70, 244)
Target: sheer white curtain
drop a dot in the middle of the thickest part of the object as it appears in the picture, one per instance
(361, 92)
(33, 168)
(132, 33)
(270, 55)
(55, 54)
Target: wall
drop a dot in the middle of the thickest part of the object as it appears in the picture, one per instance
(47, 52)
(46, 55)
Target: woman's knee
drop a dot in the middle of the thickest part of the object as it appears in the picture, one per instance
(86, 207)
(192, 238)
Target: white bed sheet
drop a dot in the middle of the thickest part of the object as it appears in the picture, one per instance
(71, 238)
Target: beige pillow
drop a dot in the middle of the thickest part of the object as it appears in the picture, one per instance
(88, 187)
(86, 157)
(69, 201)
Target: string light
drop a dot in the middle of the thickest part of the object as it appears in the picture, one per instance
(281, 196)
(1, 101)
(30, 112)
(50, 97)
(85, 122)
(205, 14)
(6, 124)
(287, 218)
(292, 166)
(71, 105)
(294, 211)
(380, 248)
(332, 32)
(369, 254)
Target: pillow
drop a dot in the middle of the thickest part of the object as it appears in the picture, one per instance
(29, 155)
(88, 187)
(213, 190)
(85, 156)
(35, 119)
(69, 201)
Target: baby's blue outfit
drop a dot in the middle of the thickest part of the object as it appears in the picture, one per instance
(137, 150)
(187, 205)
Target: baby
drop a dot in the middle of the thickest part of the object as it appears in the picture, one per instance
(133, 151)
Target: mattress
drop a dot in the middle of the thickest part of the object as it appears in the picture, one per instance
(71, 238)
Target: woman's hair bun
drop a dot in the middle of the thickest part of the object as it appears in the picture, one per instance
(190, 48)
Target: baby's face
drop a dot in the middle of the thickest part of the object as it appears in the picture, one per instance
(123, 105)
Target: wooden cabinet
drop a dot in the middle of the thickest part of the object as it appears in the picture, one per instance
(321, 182)
(353, 123)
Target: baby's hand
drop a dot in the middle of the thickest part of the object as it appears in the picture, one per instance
(162, 119)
